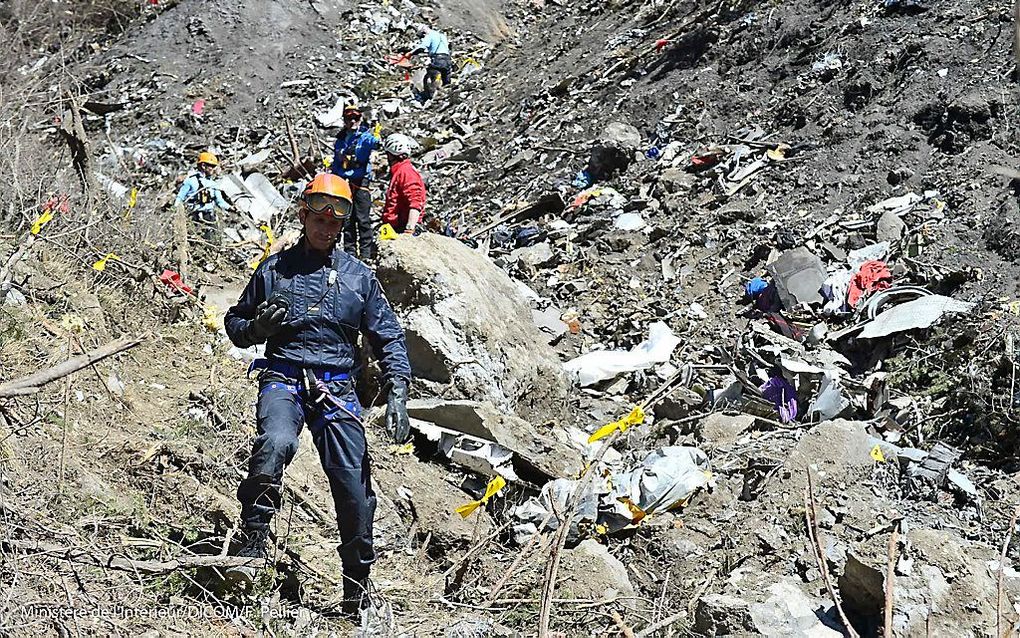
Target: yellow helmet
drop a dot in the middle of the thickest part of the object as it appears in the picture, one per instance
(205, 157)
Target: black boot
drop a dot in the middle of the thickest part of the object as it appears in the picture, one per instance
(356, 596)
(255, 546)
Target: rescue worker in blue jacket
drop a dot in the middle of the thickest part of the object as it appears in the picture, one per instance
(200, 193)
(308, 304)
(352, 155)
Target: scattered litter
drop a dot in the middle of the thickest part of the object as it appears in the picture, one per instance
(174, 282)
(600, 365)
(783, 396)
(664, 479)
(912, 315)
(629, 221)
(798, 275)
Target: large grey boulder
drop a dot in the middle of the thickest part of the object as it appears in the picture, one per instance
(470, 334)
(590, 571)
(752, 606)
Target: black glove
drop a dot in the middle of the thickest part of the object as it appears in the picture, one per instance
(397, 424)
(269, 318)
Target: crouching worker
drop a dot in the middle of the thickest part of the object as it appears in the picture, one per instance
(308, 303)
(201, 195)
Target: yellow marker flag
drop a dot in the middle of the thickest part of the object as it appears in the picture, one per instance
(327, 161)
(876, 453)
(377, 131)
(133, 198)
(100, 265)
(41, 220)
(211, 318)
(386, 232)
(270, 238)
(493, 488)
(636, 417)
(407, 448)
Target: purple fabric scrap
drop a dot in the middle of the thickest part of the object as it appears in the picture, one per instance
(783, 395)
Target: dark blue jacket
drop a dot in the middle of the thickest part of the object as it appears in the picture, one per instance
(324, 320)
(352, 153)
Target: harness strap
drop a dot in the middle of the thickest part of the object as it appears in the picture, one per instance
(296, 372)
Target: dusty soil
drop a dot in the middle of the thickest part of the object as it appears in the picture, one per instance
(139, 455)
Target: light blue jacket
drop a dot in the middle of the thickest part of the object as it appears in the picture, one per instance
(201, 194)
(435, 43)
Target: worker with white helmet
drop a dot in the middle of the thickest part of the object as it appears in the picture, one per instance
(405, 196)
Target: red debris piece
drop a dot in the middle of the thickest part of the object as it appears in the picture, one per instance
(872, 276)
(174, 281)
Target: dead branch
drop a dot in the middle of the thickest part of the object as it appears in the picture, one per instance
(624, 628)
(687, 611)
(122, 563)
(811, 518)
(180, 228)
(560, 539)
(550, 203)
(475, 549)
(1002, 562)
(890, 580)
(294, 152)
(7, 272)
(498, 587)
(1016, 34)
(72, 129)
(34, 382)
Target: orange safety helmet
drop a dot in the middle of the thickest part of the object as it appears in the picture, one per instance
(205, 157)
(328, 193)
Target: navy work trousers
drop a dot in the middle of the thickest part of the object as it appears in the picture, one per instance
(283, 408)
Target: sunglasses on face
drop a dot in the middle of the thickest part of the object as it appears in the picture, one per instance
(352, 116)
(321, 204)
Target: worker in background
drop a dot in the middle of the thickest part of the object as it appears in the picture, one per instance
(308, 304)
(201, 195)
(352, 154)
(437, 46)
(405, 195)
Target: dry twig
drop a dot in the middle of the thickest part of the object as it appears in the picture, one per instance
(113, 561)
(624, 628)
(1016, 34)
(1002, 565)
(890, 579)
(811, 518)
(687, 611)
(560, 539)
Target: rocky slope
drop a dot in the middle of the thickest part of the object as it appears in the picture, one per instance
(648, 160)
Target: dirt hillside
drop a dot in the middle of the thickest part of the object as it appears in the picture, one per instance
(608, 176)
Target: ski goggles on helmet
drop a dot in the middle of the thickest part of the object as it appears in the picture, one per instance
(321, 203)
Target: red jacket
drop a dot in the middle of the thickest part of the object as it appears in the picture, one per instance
(406, 191)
